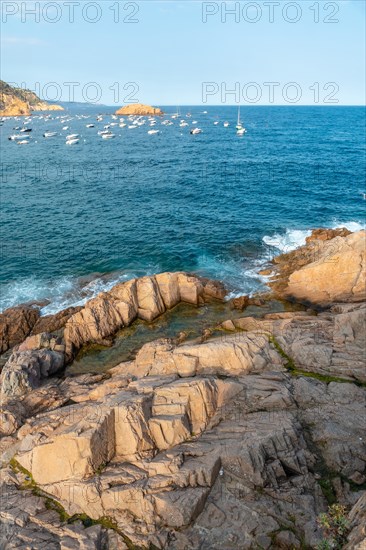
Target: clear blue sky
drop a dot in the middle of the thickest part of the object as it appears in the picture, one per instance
(169, 52)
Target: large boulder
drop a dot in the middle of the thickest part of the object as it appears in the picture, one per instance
(324, 272)
(15, 325)
(234, 355)
(25, 369)
(77, 452)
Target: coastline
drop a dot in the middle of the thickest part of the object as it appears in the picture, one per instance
(73, 291)
(286, 385)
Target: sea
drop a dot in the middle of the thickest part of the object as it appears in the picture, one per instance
(77, 219)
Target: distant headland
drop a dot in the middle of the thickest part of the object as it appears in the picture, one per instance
(139, 109)
(19, 102)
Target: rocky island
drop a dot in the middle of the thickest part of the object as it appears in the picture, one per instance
(250, 436)
(139, 109)
(19, 102)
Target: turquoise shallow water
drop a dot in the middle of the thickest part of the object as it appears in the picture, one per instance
(75, 219)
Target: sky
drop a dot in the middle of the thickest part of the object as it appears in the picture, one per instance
(187, 52)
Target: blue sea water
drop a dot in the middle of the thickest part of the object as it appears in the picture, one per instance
(76, 219)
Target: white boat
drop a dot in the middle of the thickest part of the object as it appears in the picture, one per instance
(23, 142)
(72, 141)
(183, 124)
(226, 124)
(122, 125)
(72, 136)
(196, 131)
(108, 135)
(239, 125)
(90, 125)
(49, 134)
(241, 131)
(65, 128)
(14, 137)
(194, 121)
(151, 132)
(216, 122)
(132, 126)
(26, 130)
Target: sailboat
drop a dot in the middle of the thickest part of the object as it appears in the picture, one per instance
(240, 130)
(239, 125)
(177, 114)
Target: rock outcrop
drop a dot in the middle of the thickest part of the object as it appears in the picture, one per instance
(324, 271)
(139, 109)
(145, 298)
(44, 106)
(17, 101)
(332, 343)
(55, 322)
(240, 440)
(357, 519)
(327, 234)
(205, 445)
(15, 325)
(24, 370)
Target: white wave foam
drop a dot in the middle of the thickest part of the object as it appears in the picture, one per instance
(240, 275)
(351, 226)
(62, 293)
(294, 238)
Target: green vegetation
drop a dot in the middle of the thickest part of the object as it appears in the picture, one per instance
(291, 367)
(335, 527)
(24, 95)
(51, 504)
(289, 364)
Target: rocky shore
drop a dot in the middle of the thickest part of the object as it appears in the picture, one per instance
(251, 436)
(20, 102)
